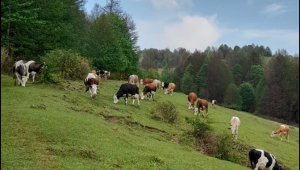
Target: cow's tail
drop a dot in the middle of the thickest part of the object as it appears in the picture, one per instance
(252, 157)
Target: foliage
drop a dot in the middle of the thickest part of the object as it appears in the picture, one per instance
(201, 82)
(6, 61)
(186, 84)
(232, 97)
(255, 74)
(200, 127)
(166, 75)
(247, 93)
(165, 111)
(225, 148)
(64, 64)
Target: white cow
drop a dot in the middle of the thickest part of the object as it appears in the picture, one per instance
(234, 126)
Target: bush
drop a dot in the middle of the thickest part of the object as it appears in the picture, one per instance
(225, 148)
(165, 111)
(200, 128)
(6, 61)
(64, 64)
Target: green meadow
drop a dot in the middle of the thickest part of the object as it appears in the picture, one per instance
(60, 127)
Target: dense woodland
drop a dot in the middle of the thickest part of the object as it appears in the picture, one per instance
(251, 78)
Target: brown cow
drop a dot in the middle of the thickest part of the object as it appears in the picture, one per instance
(214, 103)
(91, 82)
(133, 79)
(170, 89)
(282, 130)
(146, 81)
(150, 90)
(192, 98)
(203, 105)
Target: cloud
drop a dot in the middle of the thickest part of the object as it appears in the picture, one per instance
(190, 32)
(171, 4)
(274, 9)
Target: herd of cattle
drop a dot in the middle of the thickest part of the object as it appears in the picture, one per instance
(259, 159)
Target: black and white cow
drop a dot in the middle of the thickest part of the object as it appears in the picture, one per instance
(34, 68)
(20, 69)
(126, 90)
(260, 159)
(103, 74)
(164, 85)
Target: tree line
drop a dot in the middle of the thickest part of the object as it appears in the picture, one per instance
(248, 78)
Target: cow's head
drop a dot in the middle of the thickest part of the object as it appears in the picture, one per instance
(232, 128)
(93, 91)
(115, 99)
(162, 84)
(23, 81)
(196, 111)
(166, 91)
(190, 105)
(273, 134)
(141, 81)
(142, 96)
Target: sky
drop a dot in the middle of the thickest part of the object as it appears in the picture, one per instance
(197, 24)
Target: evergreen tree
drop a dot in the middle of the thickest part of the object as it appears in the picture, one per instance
(255, 74)
(248, 97)
(186, 83)
(233, 98)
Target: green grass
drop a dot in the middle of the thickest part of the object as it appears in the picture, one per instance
(58, 127)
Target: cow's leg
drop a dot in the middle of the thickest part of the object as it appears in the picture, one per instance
(153, 94)
(126, 99)
(281, 136)
(237, 132)
(288, 137)
(33, 76)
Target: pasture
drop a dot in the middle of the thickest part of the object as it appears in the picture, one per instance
(60, 127)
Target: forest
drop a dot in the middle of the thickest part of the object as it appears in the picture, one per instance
(73, 42)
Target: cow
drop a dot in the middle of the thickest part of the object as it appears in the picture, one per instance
(170, 89)
(150, 90)
(164, 85)
(126, 90)
(260, 159)
(157, 83)
(234, 126)
(103, 74)
(146, 81)
(34, 68)
(91, 82)
(133, 79)
(282, 130)
(192, 97)
(20, 69)
(201, 105)
(214, 102)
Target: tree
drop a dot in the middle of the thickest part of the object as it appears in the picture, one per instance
(260, 92)
(186, 83)
(255, 74)
(200, 81)
(248, 97)
(233, 98)
(166, 75)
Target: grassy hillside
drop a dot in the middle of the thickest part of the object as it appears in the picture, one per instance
(59, 127)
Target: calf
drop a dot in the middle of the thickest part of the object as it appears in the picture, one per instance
(214, 102)
(125, 90)
(91, 82)
(192, 97)
(133, 79)
(260, 159)
(282, 130)
(20, 69)
(150, 90)
(146, 81)
(234, 126)
(201, 105)
(170, 89)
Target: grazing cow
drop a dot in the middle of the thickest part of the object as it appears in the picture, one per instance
(214, 102)
(20, 69)
(133, 79)
(282, 130)
(260, 159)
(146, 81)
(234, 126)
(125, 90)
(201, 105)
(91, 82)
(192, 97)
(150, 90)
(103, 74)
(170, 89)
(157, 83)
(34, 68)
(164, 85)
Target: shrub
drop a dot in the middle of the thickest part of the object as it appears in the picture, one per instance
(165, 111)
(200, 127)
(64, 64)
(6, 61)
(225, 148)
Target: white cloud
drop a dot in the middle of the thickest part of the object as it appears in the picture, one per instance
(171, 4)
(274, 9)
(190, 32)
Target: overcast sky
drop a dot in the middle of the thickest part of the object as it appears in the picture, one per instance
(196, 24)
